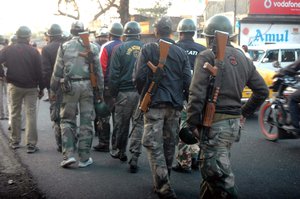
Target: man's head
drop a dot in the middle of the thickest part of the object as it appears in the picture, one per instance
(116, 30)
(186, 28)
(76, 28)
(216, 22)
(132, 29)
(163, 27)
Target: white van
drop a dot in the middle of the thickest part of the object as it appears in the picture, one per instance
(270, 55)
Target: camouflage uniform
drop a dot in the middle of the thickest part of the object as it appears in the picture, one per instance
(70, 65)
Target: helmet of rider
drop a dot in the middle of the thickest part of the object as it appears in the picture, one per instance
(116, 29)
(103, 32)
(132, 28)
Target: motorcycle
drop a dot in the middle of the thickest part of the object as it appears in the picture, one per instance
(274, 117)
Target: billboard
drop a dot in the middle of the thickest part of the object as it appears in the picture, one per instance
(259, 34)
(275, 7)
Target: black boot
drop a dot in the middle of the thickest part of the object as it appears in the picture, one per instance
(133, 167)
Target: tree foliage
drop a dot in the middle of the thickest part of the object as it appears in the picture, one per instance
(159, 9)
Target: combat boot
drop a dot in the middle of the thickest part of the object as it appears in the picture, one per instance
(101, 147)
(195, 164)
(133, 167)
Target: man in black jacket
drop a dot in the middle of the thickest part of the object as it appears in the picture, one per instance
(25, 82)
(161, 121)
(49, 53)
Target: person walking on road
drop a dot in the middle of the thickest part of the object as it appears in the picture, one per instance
(107, 49)
(49, 53)
(187, 155)
(25, 84)
(236, 72)
(161, 121)
(71, 72)
(121, 87)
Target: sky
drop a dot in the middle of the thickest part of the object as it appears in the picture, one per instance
(38, 15)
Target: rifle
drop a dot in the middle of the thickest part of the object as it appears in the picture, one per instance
(164, 50)
(88, 54)
(221, 39)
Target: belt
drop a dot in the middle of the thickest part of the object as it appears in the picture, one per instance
(79, 79)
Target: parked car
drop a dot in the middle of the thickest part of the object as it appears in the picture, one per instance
(274, 56)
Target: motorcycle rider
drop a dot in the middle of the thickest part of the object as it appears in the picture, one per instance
(294, 99)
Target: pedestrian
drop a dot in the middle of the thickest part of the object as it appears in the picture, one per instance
(121, 87)
(25, 84)
(161, 121)
(107, 49)
(72, 73)
(187, 155)
(236, 72)
(49, 53)
(245, 49)
(3, 86)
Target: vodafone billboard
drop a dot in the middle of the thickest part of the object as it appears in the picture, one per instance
(275, 7)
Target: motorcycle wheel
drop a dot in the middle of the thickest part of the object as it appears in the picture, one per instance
(267, 122)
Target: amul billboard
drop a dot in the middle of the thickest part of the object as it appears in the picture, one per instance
(275, 7)
(259, 34)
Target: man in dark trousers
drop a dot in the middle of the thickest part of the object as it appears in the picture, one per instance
(161, 121)
(122, 87)
(236, 72)
(49, 53)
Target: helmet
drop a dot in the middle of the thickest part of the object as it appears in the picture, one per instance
(23, 32)
(54, 30)
(116, 29)
(103, 32)
(164, 25)
(186, 25)
(77, 27)
(217, 22)
(132, 28)
(102, 110)
(187, 136)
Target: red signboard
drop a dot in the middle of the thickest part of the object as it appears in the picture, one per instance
(275, 7)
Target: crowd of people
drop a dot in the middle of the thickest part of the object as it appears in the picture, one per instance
(104, 82)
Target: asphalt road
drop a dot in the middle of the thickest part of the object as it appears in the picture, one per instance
(263, 169)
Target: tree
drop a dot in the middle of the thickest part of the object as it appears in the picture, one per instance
(71, 8)
(159, 9)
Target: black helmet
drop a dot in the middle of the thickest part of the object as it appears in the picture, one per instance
(186, 25)
(23, 32)
(116, 29)
(164, 25)
(217, 22)
(76, 28)
(54, 30)
(132, 28)
(103, 32)
(102, 110)
(187, 136)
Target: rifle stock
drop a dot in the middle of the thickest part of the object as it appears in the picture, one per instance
(163, 54)
(88, 54)
(210, 107)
